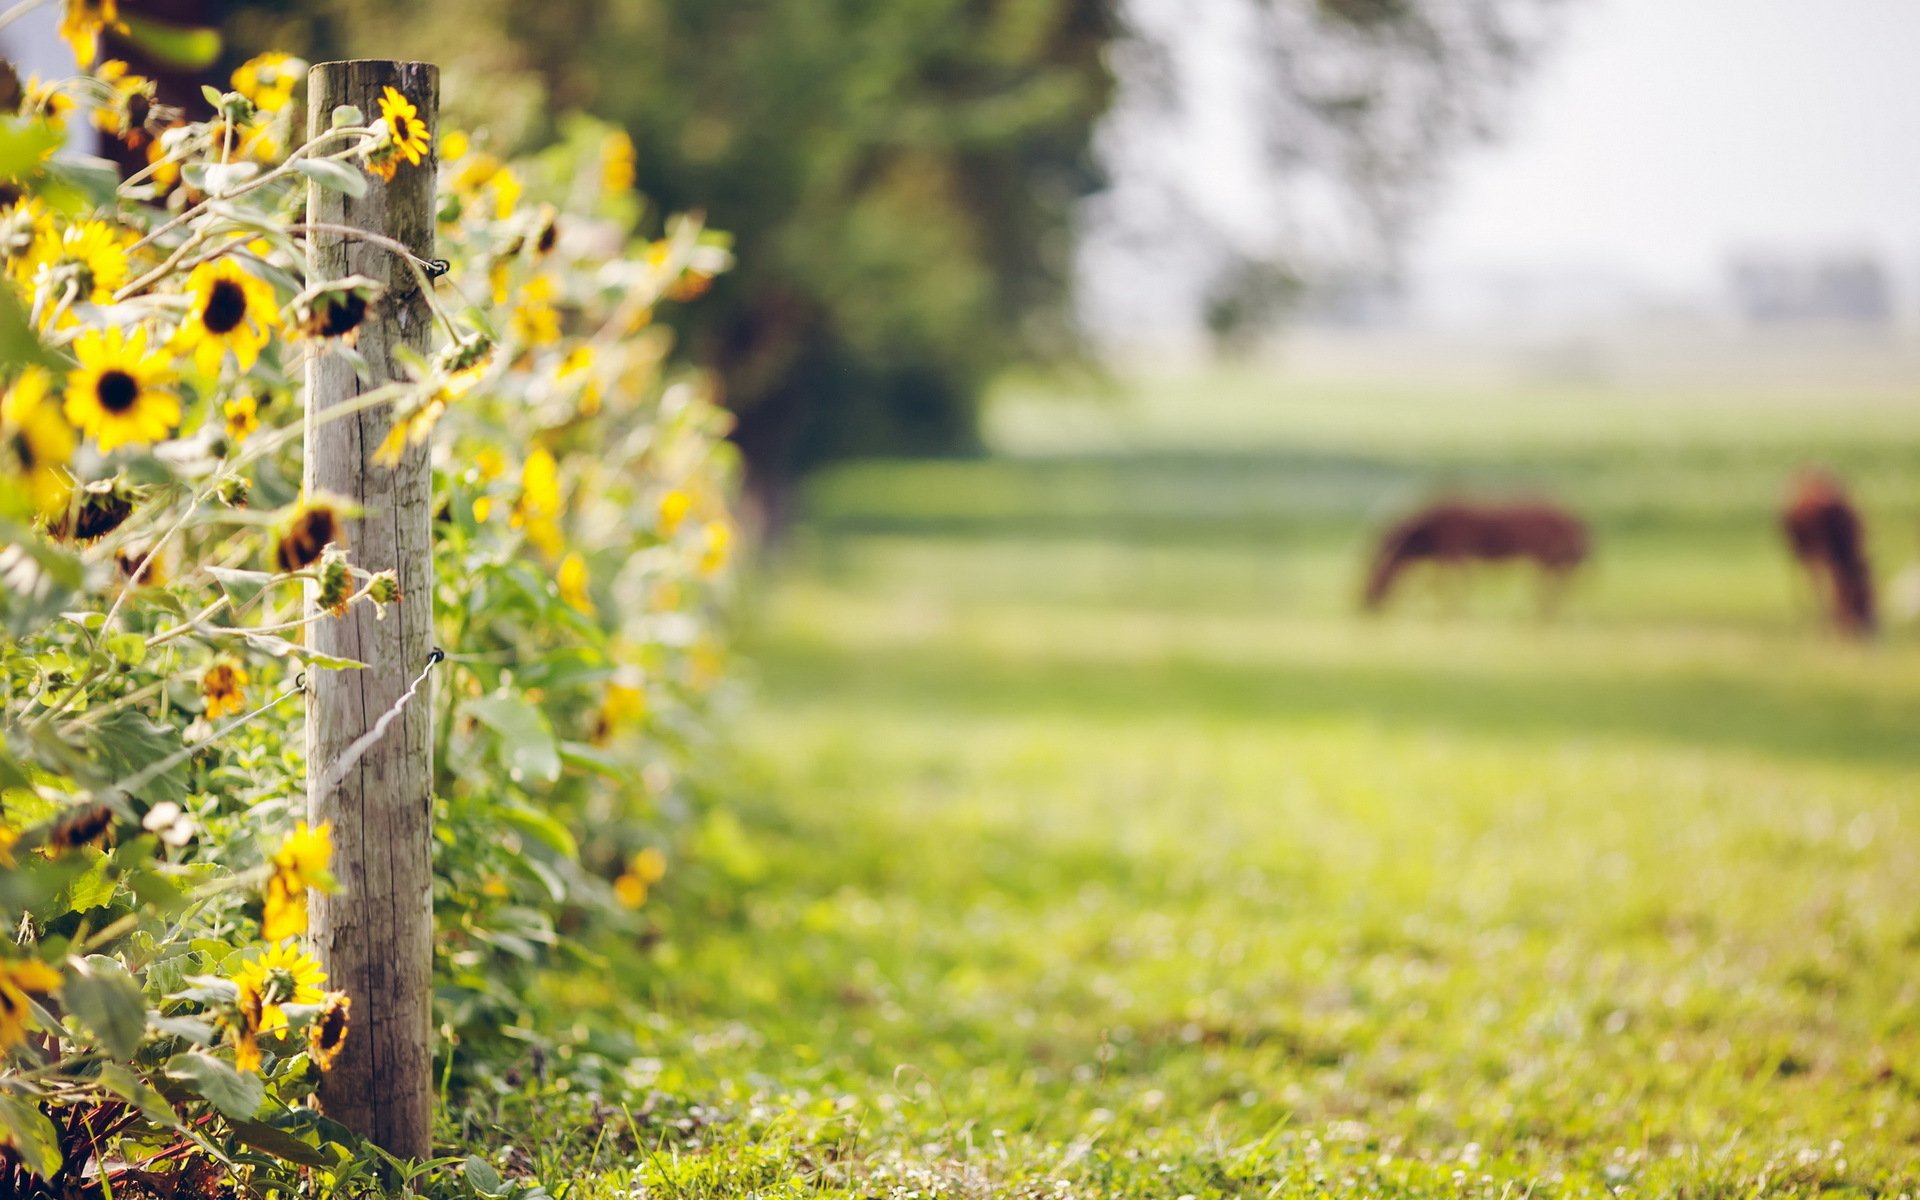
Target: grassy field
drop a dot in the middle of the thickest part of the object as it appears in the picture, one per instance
(1087, 844)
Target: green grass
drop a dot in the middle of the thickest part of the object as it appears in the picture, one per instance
(1088, 845)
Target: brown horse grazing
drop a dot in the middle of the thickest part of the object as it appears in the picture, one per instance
(1825, 533)
(1453, 533)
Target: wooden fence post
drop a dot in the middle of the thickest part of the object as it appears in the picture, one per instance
(375, 936)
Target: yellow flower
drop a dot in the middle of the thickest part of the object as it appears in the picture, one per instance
(538, 509)
(308, 530)
(506, 193)
(299, 866)
(243, 416)
(535, 321)
(249, 1014)
(24, 228)
(327, 1033)
(572, 578)
(224, 685)
(623, 704)
(408, 136)
(285, 974)
(231, 310)
(42, 440)
(46, 98)
(674, 505)
(482, 509)
(490, 463)
(453, 145)
(88, 259)
(644, 869)
(269, 79)
(81, 24)
(616, 164)
(713, 558)
(17, 980)
(112, 396)
(125, 114)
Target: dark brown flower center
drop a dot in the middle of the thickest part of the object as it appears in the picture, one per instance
(226, 307)
(344, 315)
(117, 391)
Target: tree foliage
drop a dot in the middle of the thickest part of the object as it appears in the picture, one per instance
(905, 177)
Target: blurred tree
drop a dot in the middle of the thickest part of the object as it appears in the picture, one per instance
(903, 176)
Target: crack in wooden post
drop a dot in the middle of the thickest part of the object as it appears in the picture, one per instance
(375, 936)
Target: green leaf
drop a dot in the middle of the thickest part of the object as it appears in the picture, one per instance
(25, 145)
(124, 1083)
(183, 47)
(92, 888)
(540, 827)
(107, 1001)
(281, 648)
(335, 177)
(234, 1094)
(126, 742)
(481, 1177)
(527, 744)
(31, 1135)
(280, 1144)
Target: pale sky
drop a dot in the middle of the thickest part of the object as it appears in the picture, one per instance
(1663, 133)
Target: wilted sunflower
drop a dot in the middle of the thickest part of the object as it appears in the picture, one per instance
(82, 826)
(285, 974)
(42, 441)
(407, 135)
(335, 309)
(224, 685)
(327, 1033)
(112, 396)
(231, 310)
(81, 24)
(124, 115)
(89, 258)
(17, 980)
(104, 506)
(307, 531)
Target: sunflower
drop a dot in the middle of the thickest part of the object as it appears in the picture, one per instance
(719, 538)
(82, 825)
(616, 163)
(572, 578)
(623, 704)
(407, 135)
(539, 506)
(249, 1013)
(335, 309)
(225, 687)
(42, 441)
(112, 396)
(327, 1032)
(17, 980)
(242, 415)
(535, 321)
(81, 24)
(268, 79)
(306, 533)
(644, 869)
(299, 866)
(130, 102)
(105, 505)
(46, 98)
(674, 505)
(90, 258)
(285, 974)
(24, 228)
(231, 309)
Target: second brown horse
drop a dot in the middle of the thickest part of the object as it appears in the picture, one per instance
(1825, 532)
(1454, 533)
